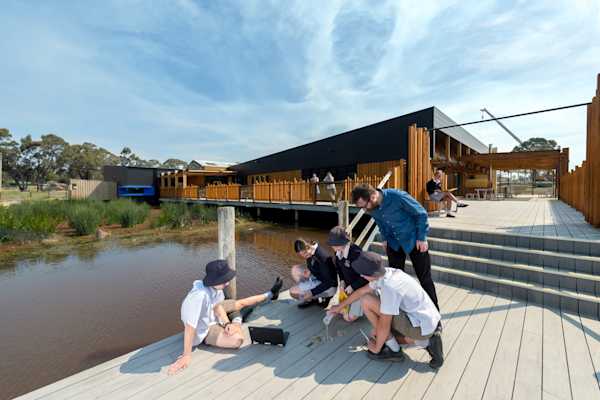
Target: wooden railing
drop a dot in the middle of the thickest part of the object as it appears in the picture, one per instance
(189, 192)
(223, 192)
(286, 191)
(580, 188)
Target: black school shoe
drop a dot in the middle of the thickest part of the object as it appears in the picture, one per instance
(435, 350)
(462, 205)
(324, 301)
(245, 313)
(276, 288)
(386, 354)
(309, 303)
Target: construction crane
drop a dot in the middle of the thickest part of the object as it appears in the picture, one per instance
(484, 110)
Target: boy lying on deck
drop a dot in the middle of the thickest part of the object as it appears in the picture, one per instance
(399, 310)
(206, 314)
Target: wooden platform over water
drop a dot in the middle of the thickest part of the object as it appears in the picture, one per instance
(495, 348)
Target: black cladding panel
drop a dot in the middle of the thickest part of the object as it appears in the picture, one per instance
(383, 141)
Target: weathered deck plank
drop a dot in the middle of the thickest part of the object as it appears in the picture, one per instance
(475, 375)
(495, 348)
(555, 382)
(528, 381)
(581, 369)
(389, 383)
(500, 383)
(418, 382)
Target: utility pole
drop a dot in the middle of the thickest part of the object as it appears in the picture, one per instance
(484, 110)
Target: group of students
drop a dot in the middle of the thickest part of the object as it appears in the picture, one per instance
(401, 310)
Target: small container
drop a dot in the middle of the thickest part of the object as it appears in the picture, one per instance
(328, 317)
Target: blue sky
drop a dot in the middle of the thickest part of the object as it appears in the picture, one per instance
(232, 81)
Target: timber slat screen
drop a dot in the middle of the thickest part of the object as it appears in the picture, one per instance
(580, 188)
(419, 167)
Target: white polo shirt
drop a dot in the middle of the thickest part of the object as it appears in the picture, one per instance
(197, 309)
(400, 291)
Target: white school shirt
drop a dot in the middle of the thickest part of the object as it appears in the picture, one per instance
(197, 309)
(400, 291)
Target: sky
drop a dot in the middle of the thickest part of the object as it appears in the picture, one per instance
(235, 80)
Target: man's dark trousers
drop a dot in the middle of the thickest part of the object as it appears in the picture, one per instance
(421, 264)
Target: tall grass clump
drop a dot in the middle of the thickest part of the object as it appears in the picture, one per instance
(126, 212)
(203, 214)
(85, 218)
(30, 220)
(174, 215)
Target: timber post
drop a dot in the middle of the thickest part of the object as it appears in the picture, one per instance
(344, 215)
(226, 222)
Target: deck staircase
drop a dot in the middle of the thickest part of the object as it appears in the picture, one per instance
(552, 271)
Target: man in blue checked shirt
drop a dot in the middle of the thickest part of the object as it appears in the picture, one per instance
(403, 224)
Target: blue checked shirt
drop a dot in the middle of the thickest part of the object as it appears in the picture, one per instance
(401, 220)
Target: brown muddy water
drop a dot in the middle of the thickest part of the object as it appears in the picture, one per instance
(63, 313)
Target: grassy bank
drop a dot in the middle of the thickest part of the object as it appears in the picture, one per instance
(37, 221)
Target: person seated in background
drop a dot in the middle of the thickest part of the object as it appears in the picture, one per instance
(435, 192)
(210, 319)
(346, 253)
(399, 310)
(316, 283)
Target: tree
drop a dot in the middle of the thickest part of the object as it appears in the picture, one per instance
(174, 163)
(129, 159)
(85, 161)
(14, 163)
(536, 144)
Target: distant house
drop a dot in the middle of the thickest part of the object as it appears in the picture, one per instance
(204, 165)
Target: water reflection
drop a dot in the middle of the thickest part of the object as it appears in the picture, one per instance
(93, 302)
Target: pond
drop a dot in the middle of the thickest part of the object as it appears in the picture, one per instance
(63, 313)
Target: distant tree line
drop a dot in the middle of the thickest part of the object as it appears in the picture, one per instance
(51, 158)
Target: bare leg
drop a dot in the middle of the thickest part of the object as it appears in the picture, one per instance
(371, 305)
(234, 341)
(249, 301)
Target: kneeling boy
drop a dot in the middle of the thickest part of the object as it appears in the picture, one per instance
(401, 312)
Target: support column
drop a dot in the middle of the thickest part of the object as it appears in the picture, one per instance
(226, 224)
(296, 216)
(257, 212)
(344, 215)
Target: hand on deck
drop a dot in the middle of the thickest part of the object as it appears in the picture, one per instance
(232, 329)
(422, 246)
(182, 363)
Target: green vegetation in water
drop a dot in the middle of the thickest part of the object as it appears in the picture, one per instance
(84, 218)
(36, 220)
(126, 213)
(180, 215)
(30, 220)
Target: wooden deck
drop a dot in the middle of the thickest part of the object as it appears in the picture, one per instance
(529, 216)
(495, 349)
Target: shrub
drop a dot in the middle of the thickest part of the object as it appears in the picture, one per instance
(174, 215)
(126, 213)
(84, 218)
(203, 214)
(30, 220)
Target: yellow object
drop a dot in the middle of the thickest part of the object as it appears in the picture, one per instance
(341, 297)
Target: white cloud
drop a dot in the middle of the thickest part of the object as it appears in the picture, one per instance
(233, 82)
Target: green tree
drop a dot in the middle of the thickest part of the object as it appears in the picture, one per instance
(536, 144)
(14, 162)
(85, 161)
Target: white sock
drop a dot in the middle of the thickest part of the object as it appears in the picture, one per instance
(269, 295)
(393, 344)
